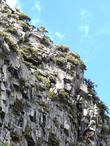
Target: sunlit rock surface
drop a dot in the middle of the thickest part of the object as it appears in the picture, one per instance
(44, 98)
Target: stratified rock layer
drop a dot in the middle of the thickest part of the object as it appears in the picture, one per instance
(44, 98)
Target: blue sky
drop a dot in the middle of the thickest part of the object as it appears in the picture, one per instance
(84, 26)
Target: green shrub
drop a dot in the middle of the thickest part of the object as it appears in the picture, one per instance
(46, 41)
(62, 48)
(102, 107)
(24, 17)
(63, 93)
(61, 96)
(72, 58)
(12, 31)
(9, 15)
(75, 59)
(52, 95)
(43, 79)
(60, 61)
(9, 40)
(25, 26)
(5, 10)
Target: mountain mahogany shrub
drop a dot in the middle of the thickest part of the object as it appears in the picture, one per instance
(10, 15)
(62, 48)
(60, 61)
(52, 95)
(63, 95)
(43, 79)
(91, 86)
(24, 17)
(46, 41)
(103, 108)
(9, 40)
(25, 26)
(12, 31)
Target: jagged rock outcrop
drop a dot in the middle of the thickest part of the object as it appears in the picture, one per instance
(44, 98)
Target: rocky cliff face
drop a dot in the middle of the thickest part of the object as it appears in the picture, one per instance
(44, 98)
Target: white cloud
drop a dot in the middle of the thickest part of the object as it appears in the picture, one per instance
(37, 5)
(59, 35)
(84, 26)
(12, 3)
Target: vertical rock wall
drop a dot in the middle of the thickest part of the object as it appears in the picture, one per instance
(44, 98)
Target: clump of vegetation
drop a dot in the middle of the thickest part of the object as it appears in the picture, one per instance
(42, 29)
(25, 26)
(43, 79)
(9, 15)
(28, 51)
(63, 95)
(23, 17)
(102, 107)
(53, 140)
(91, 86)
(5, 10)
(62, 48)
(73, 58)
(46, 41)
(8, 40)
(12, 31)
(52, 95)
(60, 61)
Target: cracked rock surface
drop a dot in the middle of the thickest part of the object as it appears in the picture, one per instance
(44, 98)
